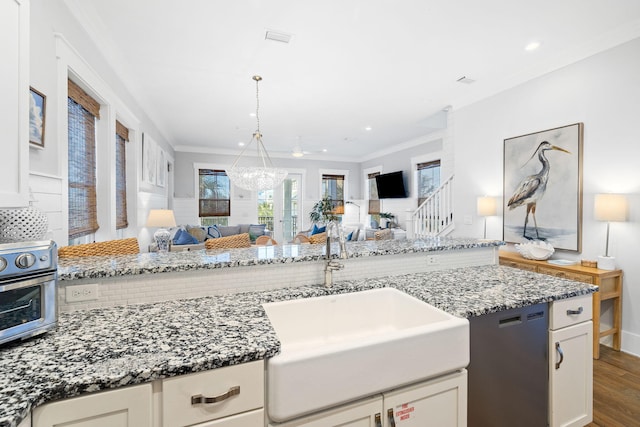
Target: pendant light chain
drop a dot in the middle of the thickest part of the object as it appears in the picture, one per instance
(257, 79)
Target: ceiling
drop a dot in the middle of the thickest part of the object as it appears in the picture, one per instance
(391, 66)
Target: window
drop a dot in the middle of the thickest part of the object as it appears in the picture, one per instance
(333, 189)
(83, 111)
(122, 136)
(214, 197)
(265, 208)
(428, 179)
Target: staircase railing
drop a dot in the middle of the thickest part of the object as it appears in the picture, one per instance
(434, 217)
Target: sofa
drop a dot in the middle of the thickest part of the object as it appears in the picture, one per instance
(192, 237)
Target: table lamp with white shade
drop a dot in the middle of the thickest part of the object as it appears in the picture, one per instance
(487, 206)
(161, 218)
(609, 207)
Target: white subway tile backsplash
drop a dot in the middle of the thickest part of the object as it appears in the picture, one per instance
(147, 288)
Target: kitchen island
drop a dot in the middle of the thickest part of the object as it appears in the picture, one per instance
(112, 347)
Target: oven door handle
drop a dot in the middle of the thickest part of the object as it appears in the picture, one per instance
(27, 305)
(25, 282)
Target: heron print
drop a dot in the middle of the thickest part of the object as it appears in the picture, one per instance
(542, 187)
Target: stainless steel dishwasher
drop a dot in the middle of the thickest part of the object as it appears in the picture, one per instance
(508, 370)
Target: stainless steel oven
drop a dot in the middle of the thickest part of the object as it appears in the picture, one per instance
(28, 273)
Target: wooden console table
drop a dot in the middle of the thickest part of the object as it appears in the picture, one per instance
(609, 281)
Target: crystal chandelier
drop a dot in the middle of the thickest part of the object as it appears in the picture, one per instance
(264, 175)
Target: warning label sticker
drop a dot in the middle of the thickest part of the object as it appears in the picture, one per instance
(404, 412)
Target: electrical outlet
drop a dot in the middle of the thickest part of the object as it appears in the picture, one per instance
(432, 260)
(82, 292)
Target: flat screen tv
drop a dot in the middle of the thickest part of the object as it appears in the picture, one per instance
(391, 186)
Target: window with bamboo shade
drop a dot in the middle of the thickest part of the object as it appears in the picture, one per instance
(83, 111)
(428, 179)
(122, 137)
(214, 193)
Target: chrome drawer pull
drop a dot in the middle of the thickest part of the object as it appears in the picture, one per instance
(27, 305)
(392, 421)
(578, 311)
(561, 353)
(233, 391)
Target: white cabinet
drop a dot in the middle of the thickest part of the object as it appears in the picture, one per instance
(571, 362)
(14, 102)
(124, 407)
(226, 397)
(441, 402)
(214, 395)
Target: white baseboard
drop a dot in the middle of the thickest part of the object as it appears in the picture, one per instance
(631, 343)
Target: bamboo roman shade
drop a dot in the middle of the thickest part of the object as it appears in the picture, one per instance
(122, 136)
(82, 162)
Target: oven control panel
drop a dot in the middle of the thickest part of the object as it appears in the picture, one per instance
(24, 258)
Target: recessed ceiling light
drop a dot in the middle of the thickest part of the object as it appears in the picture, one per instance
(297, 154)
(532, 46)
(324, 150)
(368, 128)
(240, 144)
(252, 114)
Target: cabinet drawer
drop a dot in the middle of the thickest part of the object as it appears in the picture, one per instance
(177, 393)
(585, 278)
(247, 419)
(570, 311)
(521, 266)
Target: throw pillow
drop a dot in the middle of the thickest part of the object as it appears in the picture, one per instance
(184, 238)
(198, 232)
(229, 230)
(318, 230)
(349, 236)
(213, 232)
(256, 230)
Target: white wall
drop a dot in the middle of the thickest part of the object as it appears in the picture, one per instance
(602, 92)
(52, 25)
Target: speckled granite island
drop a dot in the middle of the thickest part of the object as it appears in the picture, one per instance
(111, 347)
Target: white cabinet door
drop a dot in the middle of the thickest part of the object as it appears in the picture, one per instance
(126, 407)
(14, 102)
(571, 375)
(437, 403)
(364, 413)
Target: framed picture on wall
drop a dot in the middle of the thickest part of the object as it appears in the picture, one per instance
(37, 116)
(543, 187)
(149, 160)
(162, 168)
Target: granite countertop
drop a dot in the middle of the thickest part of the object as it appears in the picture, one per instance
(126, 265)
(112, 347)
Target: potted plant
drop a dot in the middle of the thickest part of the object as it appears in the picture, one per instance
(322, 212)
(389, 218)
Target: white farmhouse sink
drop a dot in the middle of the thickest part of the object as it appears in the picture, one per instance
(343, 347)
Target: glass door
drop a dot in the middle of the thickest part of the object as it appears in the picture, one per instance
(287, 209)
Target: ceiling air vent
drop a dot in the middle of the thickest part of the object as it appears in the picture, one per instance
(277, 36)
(466, 80)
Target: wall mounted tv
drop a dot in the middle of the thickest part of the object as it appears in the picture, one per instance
(391, 186)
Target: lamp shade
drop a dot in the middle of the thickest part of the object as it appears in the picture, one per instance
(161, 218)
(487, 206)
(610, 207)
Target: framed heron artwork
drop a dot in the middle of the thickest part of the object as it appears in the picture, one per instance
(543, 187)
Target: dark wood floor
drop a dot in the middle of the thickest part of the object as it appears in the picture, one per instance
(616, 389)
